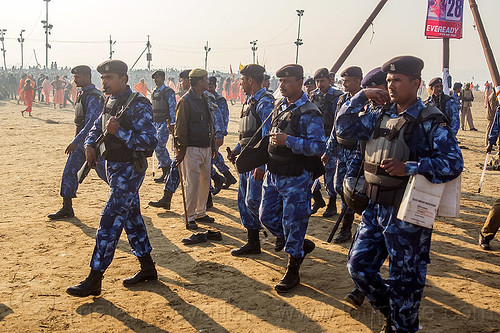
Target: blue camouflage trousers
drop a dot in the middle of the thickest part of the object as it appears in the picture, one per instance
(343, 160)
(381, 234)
(328, 177)
(121, 210)
(161, 148)
(69, 183)
(285, 208)
(173, 178)
(249, 197)
(218, 161)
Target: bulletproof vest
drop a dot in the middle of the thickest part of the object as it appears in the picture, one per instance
(325, 104)
(440, 103)
(200, 123)
(116, 150)
(345, 142)
(282, 159)
(161, 109)
(80, 108)
(250, 121)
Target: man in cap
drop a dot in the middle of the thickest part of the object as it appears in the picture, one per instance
(173, 178)
(164, 103)
(195, 145)
(88, 107)
(221, 121)
(267, 83)
(424, 136)
(466, 96)
(344, 148)
(126, 124)
(296, 143)
(445, 103)
(325, 97)
(256, 110)
(309, 86)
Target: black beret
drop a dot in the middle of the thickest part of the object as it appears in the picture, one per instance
(158, 72)
(82, 69)
(184, 74)
(252, 70)
(212, 80)
(113, 66)
(291, 70)
(408, 65)
(353, 71)
(267, 77)
(322, 73)
(436, 80)
(309, 81)
(375, 77)
(457, 85)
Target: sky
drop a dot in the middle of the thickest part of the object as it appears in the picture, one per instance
(179, 30)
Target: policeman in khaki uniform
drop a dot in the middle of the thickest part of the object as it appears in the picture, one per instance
(88, 107)
(403, 138)
(296, 143)
(195, 145)
(129, 137)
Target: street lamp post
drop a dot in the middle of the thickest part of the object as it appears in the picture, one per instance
(298, 42)
(47, 28)
(254, 48)
(111, 43)
(21, 40)
(2, 38)
(207, 49)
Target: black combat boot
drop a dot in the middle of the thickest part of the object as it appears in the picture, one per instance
(65, 211)
(386, 311)
(230, 180)
(147, 272)
(218, 182)
(345, 231)
(210, 202)
(484, 242)
(90, 286)
(355, 297)
(164, 175)
(331, 208)
(251, 247)
(318, 202)
(163, 202)
(279, 244)
(308, 247)
(291, 279)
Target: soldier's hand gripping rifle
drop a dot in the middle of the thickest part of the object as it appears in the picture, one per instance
(99, 144)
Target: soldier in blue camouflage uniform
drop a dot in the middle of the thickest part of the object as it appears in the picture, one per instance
(127, 123)
(256, 109)
(381, 233)
(173, 178)
(447, 104)
(87, 109)
(296, 143)
(221, 118)
(164, 103)
(325, 97)
(345, 150)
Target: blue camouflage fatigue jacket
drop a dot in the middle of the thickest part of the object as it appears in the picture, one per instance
(224, 110)
(141, 136)
(439, 163)
(93, 108)
(452, 111)
(332, 146)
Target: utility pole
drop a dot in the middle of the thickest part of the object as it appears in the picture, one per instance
(47, 28)
(254, 48)
(149, 56)
(446, 66)
(21, 40)
(2, 38)
(207, 49)
(298, 42)
(111, 43)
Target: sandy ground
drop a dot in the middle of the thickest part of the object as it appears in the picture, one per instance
(203, 288)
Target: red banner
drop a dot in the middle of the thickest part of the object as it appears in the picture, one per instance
(444, 19)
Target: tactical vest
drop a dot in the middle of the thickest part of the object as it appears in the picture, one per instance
(344, 142)
(391, 139)
(161, 108)
(441, 105)
(250, 121)
(116, 150)
(325, 105)
(282, 159)
(80, 108)
(200, 123)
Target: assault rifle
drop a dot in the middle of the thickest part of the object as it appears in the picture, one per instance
(337, 224)
(99, 144)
